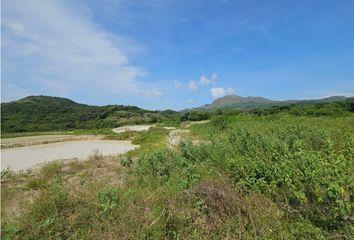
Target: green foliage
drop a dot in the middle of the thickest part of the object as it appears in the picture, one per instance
(51, 169)
(47, 214)
(304, 230)
(195, 116)
(349, 104)
(108, 199)
(42, 113)
(36, 184)
(8, 231)
(154, 164)
(48, 173)
(234, 102)
(126, 162)
(306, 166)
(7, 173)
(339, 108)
(219, 122)
(154, 138)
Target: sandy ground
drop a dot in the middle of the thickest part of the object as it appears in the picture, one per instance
(175, 137)
(169, 128)
(197, 122)
(137, 128)
(31, 156)
(43, 139)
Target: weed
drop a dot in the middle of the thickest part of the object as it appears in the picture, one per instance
(126, 162)
(108, 199)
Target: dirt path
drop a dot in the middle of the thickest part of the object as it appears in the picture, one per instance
(137, 128)
(176, 136)
(197, 122)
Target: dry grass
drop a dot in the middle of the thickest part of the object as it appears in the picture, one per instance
(19, 189)
(216, 209)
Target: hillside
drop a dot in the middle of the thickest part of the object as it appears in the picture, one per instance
(248, 103)
(43, 113)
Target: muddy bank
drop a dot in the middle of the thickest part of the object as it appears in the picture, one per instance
(43, 139)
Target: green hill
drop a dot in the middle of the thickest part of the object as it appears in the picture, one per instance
(248, 103)
(43, 113)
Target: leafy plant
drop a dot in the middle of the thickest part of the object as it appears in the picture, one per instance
(108, 199)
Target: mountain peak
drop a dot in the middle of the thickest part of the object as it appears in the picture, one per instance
(235, 101)
(227, 98)
(43, 98)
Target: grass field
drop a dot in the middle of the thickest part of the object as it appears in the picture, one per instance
(270, 177)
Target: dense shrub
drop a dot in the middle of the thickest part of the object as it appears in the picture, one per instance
(195, 116)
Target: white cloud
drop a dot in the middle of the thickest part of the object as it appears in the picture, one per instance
(230, 91)
(206, 81)
(177, 84)
(57, 45)
(190, 100)
(214, 76)
(193, 85)
(219, 92)
(203, 81)
(152, 93)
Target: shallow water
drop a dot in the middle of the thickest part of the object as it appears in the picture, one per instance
(27, 157)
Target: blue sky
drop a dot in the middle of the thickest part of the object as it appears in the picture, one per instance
(176, 54)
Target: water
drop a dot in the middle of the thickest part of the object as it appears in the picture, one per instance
(27, 157)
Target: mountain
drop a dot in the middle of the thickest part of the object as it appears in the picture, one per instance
(248, 103)
(44, 113)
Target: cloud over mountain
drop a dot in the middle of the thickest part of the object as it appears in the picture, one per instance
(219, 92)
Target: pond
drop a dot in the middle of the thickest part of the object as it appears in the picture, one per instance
(22, 158)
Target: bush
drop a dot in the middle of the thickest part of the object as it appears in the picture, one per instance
(195, 116)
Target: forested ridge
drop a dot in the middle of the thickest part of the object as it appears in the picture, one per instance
(43, 113)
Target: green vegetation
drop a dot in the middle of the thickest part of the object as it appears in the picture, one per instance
(282, 173)
(195, 116)
(340, 108)
(37, 115)
(42, 113)
(248, 103)
(153, 139)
